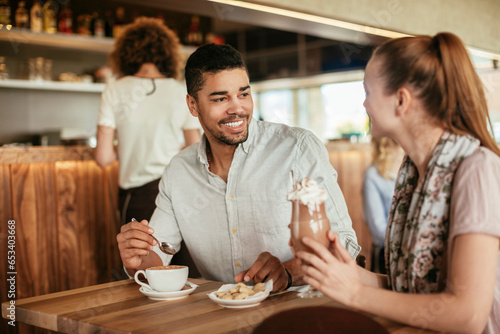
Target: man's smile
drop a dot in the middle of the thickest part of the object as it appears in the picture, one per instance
(233, 124)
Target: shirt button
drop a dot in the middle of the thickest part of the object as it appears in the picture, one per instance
(246, 148)
(237, 264)
(234, 230)
(230, 197)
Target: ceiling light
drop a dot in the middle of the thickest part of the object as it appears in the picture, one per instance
(313, 18)
(336, 23)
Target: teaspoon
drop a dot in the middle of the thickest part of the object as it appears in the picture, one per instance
(165, 247)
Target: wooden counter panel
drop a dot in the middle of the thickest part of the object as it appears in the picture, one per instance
(5, 215)
(112, 214)
(33, 204)
(69, 226)
(350, 166)
(66, 225)
(87, 240)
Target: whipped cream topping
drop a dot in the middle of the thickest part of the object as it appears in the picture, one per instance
(309, 193)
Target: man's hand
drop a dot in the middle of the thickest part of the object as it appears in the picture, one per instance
(135, 242)
(266, 267)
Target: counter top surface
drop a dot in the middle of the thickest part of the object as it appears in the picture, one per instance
(29, 154)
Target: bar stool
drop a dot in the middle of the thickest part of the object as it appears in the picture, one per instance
(318, 320)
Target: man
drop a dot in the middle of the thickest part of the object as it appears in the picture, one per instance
(227, 196)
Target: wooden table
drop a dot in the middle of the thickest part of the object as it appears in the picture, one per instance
(119, 307)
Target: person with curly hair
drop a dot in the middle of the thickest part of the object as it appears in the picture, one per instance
(378, 188)
(443, 234)
(146, 109)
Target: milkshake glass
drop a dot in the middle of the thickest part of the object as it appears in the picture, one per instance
(309, 219)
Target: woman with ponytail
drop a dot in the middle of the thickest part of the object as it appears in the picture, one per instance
(443, 234)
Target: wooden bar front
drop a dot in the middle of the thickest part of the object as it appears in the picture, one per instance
(65, 212)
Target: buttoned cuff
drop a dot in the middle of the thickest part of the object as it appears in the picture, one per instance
(352, 247)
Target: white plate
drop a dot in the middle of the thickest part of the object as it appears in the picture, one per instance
(156, 295)
(250, 301)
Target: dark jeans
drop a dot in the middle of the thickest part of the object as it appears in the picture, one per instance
(139, 203)
(378, 260)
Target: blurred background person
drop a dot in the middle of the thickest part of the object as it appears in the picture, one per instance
(378, 188)
(146, 108)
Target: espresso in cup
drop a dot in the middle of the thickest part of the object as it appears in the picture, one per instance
(164, 278)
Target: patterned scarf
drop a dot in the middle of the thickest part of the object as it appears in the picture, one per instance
(417, 231)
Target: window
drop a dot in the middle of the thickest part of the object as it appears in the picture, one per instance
(496, 131)
(344, 114)
(276, 106)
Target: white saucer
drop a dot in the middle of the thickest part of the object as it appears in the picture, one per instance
(250, 301)
(156, 295)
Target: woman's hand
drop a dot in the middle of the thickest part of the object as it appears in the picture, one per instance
(333, 272)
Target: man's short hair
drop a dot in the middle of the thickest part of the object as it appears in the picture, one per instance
(210, 58)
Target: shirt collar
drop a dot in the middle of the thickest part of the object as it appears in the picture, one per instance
(252, 130)
(202, 150)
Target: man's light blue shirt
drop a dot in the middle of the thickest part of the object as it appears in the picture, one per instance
(227, 225)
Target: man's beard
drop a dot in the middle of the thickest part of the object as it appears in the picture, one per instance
(235, 139)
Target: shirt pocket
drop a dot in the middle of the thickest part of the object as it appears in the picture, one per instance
(271, 212)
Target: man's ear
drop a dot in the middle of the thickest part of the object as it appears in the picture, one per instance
(403, 101)
(192, 105)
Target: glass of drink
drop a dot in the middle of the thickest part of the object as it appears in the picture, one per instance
(309, 219)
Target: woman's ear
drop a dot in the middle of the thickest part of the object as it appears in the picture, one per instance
(192, 105)
(403, 101)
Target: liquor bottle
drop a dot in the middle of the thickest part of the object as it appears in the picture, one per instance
(49, 17)
(22, 17)
(66, 20)
(36, 17)
(97, 25)
(195, 37)
(5, 15)
(83, 22)
(108, 23)
(4, 74)
(120, 21)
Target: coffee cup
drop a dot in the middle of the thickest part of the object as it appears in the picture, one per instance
(164, 278)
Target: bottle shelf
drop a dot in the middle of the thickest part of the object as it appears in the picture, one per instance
(18, 37)
(53, 86)
(58, 40)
